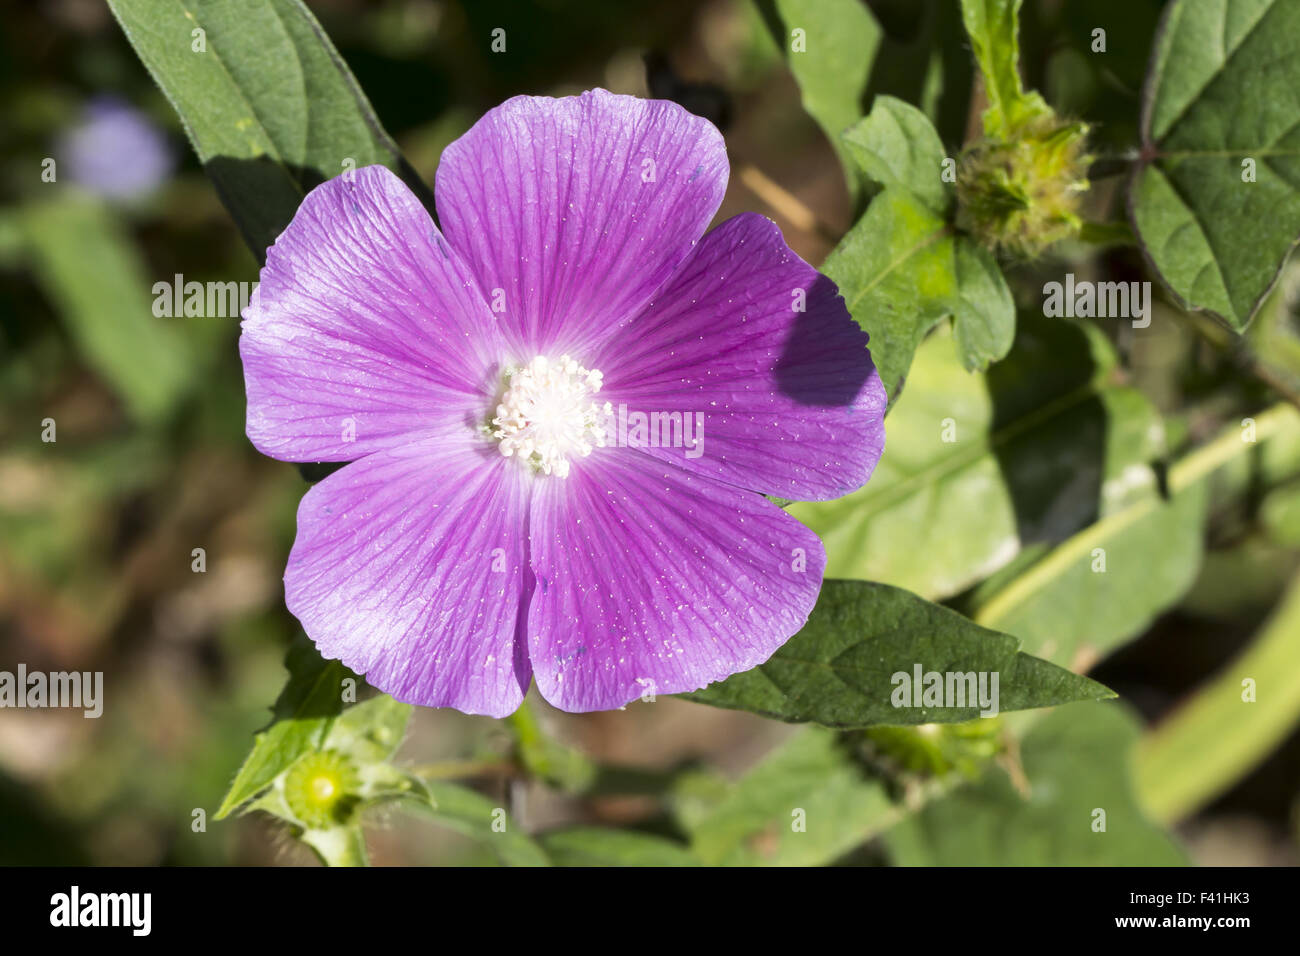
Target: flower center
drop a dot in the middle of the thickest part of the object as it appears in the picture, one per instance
(547, 416)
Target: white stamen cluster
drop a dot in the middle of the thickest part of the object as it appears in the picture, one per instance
(546, 415)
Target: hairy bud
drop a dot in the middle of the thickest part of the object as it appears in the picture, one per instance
(1019, 196)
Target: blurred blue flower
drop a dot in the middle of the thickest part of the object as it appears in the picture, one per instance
(115, 151)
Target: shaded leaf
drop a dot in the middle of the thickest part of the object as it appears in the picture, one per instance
(1075, 761)
(843, 669)
(1063, 605)
(806, 804)
(979, 467)
(1242, 580)
(1279, 513)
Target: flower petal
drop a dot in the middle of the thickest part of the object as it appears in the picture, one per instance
(789, 401)
(409, 566)
(365, 329)
(649, 578)
(577, 209)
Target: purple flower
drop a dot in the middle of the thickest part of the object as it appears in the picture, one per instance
(115, 151)
(503, 517)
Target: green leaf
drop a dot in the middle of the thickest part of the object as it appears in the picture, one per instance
(831, 61)
(1279, 513)
(88, 267)
(842, 669)
(1065, 608)
(896, 145)
(473, 815)
(269, 105)
(1273, 340)
(984, 316)
(300, 721)
(901, 268)
(993, 26)
(1216, 97)
(1064, 605)
(806, 804)
(981, 466)
(1240, 581)
(1219, 735)
(895, 270)
(371, 731)
(605, 846)
(1075, 761)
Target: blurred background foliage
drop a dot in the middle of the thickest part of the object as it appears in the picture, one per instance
(97, 529)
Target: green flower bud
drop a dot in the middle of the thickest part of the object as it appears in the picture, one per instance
(934, 750)
(1019, 196)
(321, 789)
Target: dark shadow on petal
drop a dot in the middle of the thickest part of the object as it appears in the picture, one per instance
(825, 360)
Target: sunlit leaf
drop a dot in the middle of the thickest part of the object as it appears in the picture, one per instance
(1216, 198)
(269, 106)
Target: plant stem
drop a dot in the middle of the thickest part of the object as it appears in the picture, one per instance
(1106, 233)
(463, 769)
(527, 731)
(785, 203)
(1210, 741)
